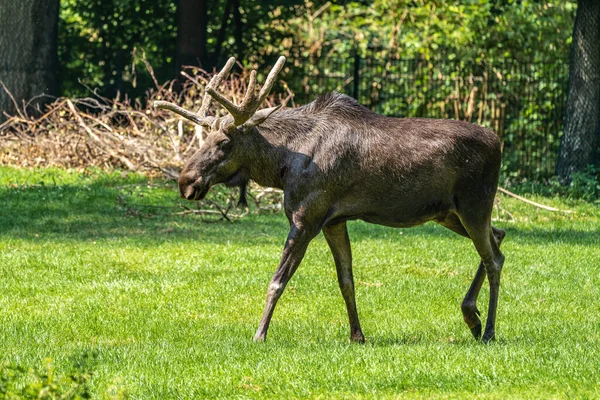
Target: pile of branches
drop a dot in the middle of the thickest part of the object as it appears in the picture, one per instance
(113, 133)
(118, 133)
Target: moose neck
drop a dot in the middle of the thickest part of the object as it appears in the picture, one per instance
(269, 148)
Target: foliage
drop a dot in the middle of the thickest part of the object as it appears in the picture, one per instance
(43, 383)
(584, 185)
(475, 30)
(96, 41)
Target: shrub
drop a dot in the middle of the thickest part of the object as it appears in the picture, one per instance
(20, 383)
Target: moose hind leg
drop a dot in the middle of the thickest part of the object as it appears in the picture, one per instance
(487, 242)
(339, 243)
(469, 305)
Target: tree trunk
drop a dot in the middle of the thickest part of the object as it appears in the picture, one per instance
(192, 20)
(581, 138)
(238, 30)
(28, 49)
(222, 31)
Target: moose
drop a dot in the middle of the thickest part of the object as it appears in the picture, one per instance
(336, 161)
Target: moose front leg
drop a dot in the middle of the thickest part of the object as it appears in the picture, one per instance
(293, 252)
(339, 243)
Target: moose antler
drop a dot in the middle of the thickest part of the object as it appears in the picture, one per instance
(251, 102)
(200, 118)
(214, 82)
(241, 113)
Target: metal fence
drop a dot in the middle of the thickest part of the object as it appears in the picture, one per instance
(523, 102)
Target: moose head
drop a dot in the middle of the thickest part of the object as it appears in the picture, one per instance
(219, 158)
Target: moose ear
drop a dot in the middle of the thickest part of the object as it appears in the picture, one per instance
(259, 117)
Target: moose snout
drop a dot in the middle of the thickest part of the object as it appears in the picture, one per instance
(187, 187)
(188, 193)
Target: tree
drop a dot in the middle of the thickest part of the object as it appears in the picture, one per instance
(581, 138)
(100, 41)
(192, 22)
(28, 44)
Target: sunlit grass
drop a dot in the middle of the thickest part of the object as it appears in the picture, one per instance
(166, 306)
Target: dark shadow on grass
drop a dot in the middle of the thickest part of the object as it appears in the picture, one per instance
(541, 235)
(416, 339)
(93, 211)
(390, 341)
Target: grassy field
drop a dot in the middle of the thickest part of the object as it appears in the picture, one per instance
(155, 305)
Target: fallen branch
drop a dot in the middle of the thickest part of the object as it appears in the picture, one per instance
(497, 207)
(223, 215)
(100, 144)
(533, 203)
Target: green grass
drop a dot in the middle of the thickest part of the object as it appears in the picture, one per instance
(160, 306)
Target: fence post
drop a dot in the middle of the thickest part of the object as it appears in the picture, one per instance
(356, 74)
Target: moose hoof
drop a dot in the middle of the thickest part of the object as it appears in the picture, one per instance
(488, 337)
(357, 338)
(476, 331)
(258, 339)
